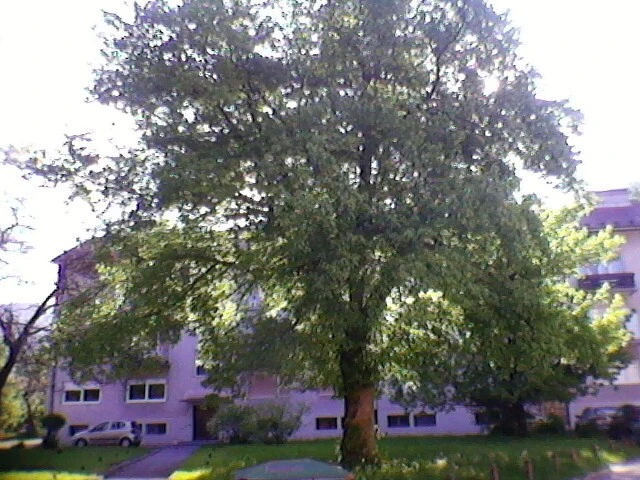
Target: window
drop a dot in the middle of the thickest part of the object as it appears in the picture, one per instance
(156, 391)
(200, 371)
(156, 428)
(101, 427)
(147, 391)
(117, 425)
(326, 423)
(75, 394)
(73, 429)
(91, 395)
(137, 392)
(71, 396)
(397, 421)
(424, 419)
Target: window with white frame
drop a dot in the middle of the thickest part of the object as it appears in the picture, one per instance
(326, 423)
(398, 421)
(159, 428)
(146, 391)
(88, 393)
(424, 419)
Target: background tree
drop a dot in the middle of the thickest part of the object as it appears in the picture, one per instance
(22, 326)
(12, 411)
(532, 336)
(24, 365)
(330, 157)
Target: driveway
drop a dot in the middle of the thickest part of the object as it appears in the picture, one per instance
(620, 471)
(159, 464)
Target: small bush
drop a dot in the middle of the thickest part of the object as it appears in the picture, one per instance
(553, 424)
(622, 425)
(53, 422)
(233, 423)
(588, 430)
(271, 423)
(504, 429)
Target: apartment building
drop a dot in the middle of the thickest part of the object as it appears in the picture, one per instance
(617, 209)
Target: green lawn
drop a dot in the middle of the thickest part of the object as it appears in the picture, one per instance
(434, 458)
(47, 475)
(78, 460)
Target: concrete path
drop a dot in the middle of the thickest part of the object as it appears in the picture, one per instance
(157, 465)
(618, 471)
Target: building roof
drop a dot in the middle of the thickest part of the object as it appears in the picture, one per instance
(619, 217)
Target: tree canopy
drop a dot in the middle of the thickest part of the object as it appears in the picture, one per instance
(534, 336)
(328, 157)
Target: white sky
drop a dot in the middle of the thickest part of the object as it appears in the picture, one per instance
(585, 50)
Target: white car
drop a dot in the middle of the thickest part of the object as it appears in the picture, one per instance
(125, 434)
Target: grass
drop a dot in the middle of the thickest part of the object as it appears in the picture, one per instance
(434, 458)
(87, 460)
(47, 476)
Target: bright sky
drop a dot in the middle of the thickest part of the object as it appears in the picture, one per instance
(585, 51)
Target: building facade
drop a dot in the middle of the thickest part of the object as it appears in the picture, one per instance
(171, 406)
(617, 209)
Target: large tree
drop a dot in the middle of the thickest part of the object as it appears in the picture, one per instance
(328, 155)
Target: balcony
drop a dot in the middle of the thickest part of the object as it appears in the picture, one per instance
(618, 281)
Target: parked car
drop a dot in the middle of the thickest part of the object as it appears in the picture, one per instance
(598, 417)
(123, 433)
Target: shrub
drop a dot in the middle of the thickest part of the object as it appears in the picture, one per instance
(53, 422)
(233, 423)
(12, 408)
(553, 424)
(622, 425)
(504, 428)
(265, 423)
(588, 429)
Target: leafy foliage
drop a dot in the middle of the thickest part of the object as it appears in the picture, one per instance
(624, 425)
(531, 336)
(269, 423)
(12, 410)
(553, 424)
(53, 422)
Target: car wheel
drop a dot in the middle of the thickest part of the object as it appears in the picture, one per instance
(125, 442)
(81, 442)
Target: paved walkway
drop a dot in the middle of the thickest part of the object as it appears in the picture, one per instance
(158, 465)
(618, 471)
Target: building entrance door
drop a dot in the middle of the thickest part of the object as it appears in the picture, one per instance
(201, 416)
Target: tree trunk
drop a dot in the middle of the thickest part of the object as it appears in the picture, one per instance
(358, 444)
(30, 423)
(517, 418)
